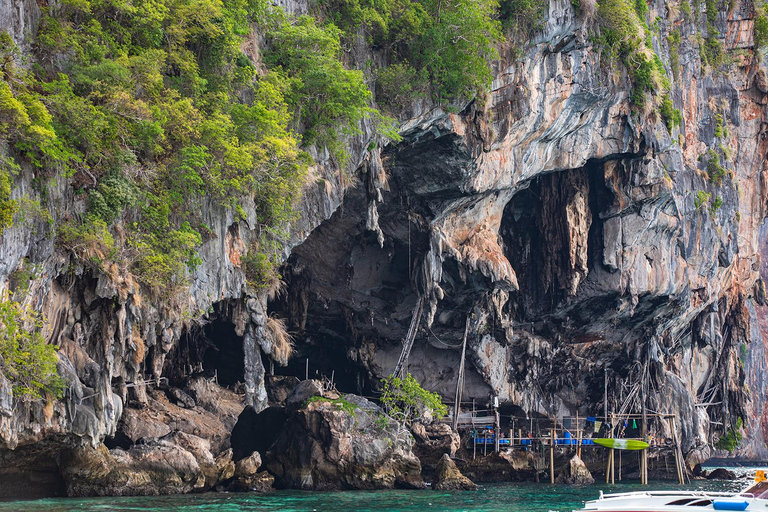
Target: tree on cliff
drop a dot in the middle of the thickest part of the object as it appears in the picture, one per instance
(406, 401)
(25, 357)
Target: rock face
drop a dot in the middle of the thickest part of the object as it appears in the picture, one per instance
(721, 474)
(151, 469)
(583, 234)
(346, 444)
(433, 441)
(247, 477)
(575, 472)
(506, 466)
(449, 478)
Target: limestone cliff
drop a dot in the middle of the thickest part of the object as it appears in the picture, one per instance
(579, 234)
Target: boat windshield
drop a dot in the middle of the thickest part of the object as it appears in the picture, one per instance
(759, 490)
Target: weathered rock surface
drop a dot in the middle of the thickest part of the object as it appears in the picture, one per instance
(505, 466)
(433, 441)
(324, 446)
(721, 474)
(247, 476)
(572, 226)
(150, 469)
(449, 478)
(575, 472)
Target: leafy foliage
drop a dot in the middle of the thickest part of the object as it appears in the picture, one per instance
(672, 116)
(151, 107)
(406, 401)
(715, 169)
(8, 206)
(732, 438)
(761, 25)
(701, 199)
(326, 94)
(25, 357)
(340, 403)
(447, 43)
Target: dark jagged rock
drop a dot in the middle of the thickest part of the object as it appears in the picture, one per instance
(449, 478)
(721, 474)
(303, 391)
(432, 442)
(279, 387)
(326, 446)
(505, 466)
(247, 477)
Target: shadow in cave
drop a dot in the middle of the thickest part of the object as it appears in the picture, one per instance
(536, 233)
(224, 355)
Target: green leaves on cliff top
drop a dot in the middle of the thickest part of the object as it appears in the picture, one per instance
(151, 106)
(449, 44)
(25, 358)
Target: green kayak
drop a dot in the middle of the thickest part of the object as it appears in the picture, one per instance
(622, 444)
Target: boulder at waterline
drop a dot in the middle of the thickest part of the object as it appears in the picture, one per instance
(248, 478)
(575, 472)
(449, 478)
(347, 443)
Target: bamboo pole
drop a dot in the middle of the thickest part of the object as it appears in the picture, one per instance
(613, 452)
(552, 458)
(678, 461)
(460, 378)
(578, 436)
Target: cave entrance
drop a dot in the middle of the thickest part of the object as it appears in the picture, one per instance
(552, 233)
(224, 355)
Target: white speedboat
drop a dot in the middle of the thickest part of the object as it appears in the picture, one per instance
(754, 497)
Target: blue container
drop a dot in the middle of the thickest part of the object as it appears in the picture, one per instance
(730, 505)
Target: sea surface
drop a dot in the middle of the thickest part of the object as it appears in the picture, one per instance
(493, 497)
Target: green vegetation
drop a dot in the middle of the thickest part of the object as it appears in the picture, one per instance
(672, 116)
(8, 206)
(325, 93)
(25, 358)
(720, 130)
(731, 439)
(715, 170)
(674, 52)
(716, 205)
(339, 403)
(701, 199)
(761, 25)
(520, 18)
(713, 49)
(447, 45)
(150, 108)
(406, 401)
(626, 38)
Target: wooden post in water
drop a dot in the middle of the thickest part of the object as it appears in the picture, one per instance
(643, 432)
(613, 452)
(496, 424)
(678, 461)
(552, 457)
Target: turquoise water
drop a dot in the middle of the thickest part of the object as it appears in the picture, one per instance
(496, 497)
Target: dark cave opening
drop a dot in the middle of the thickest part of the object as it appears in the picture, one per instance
(328, 358)
(224, 354)
(536, 234)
